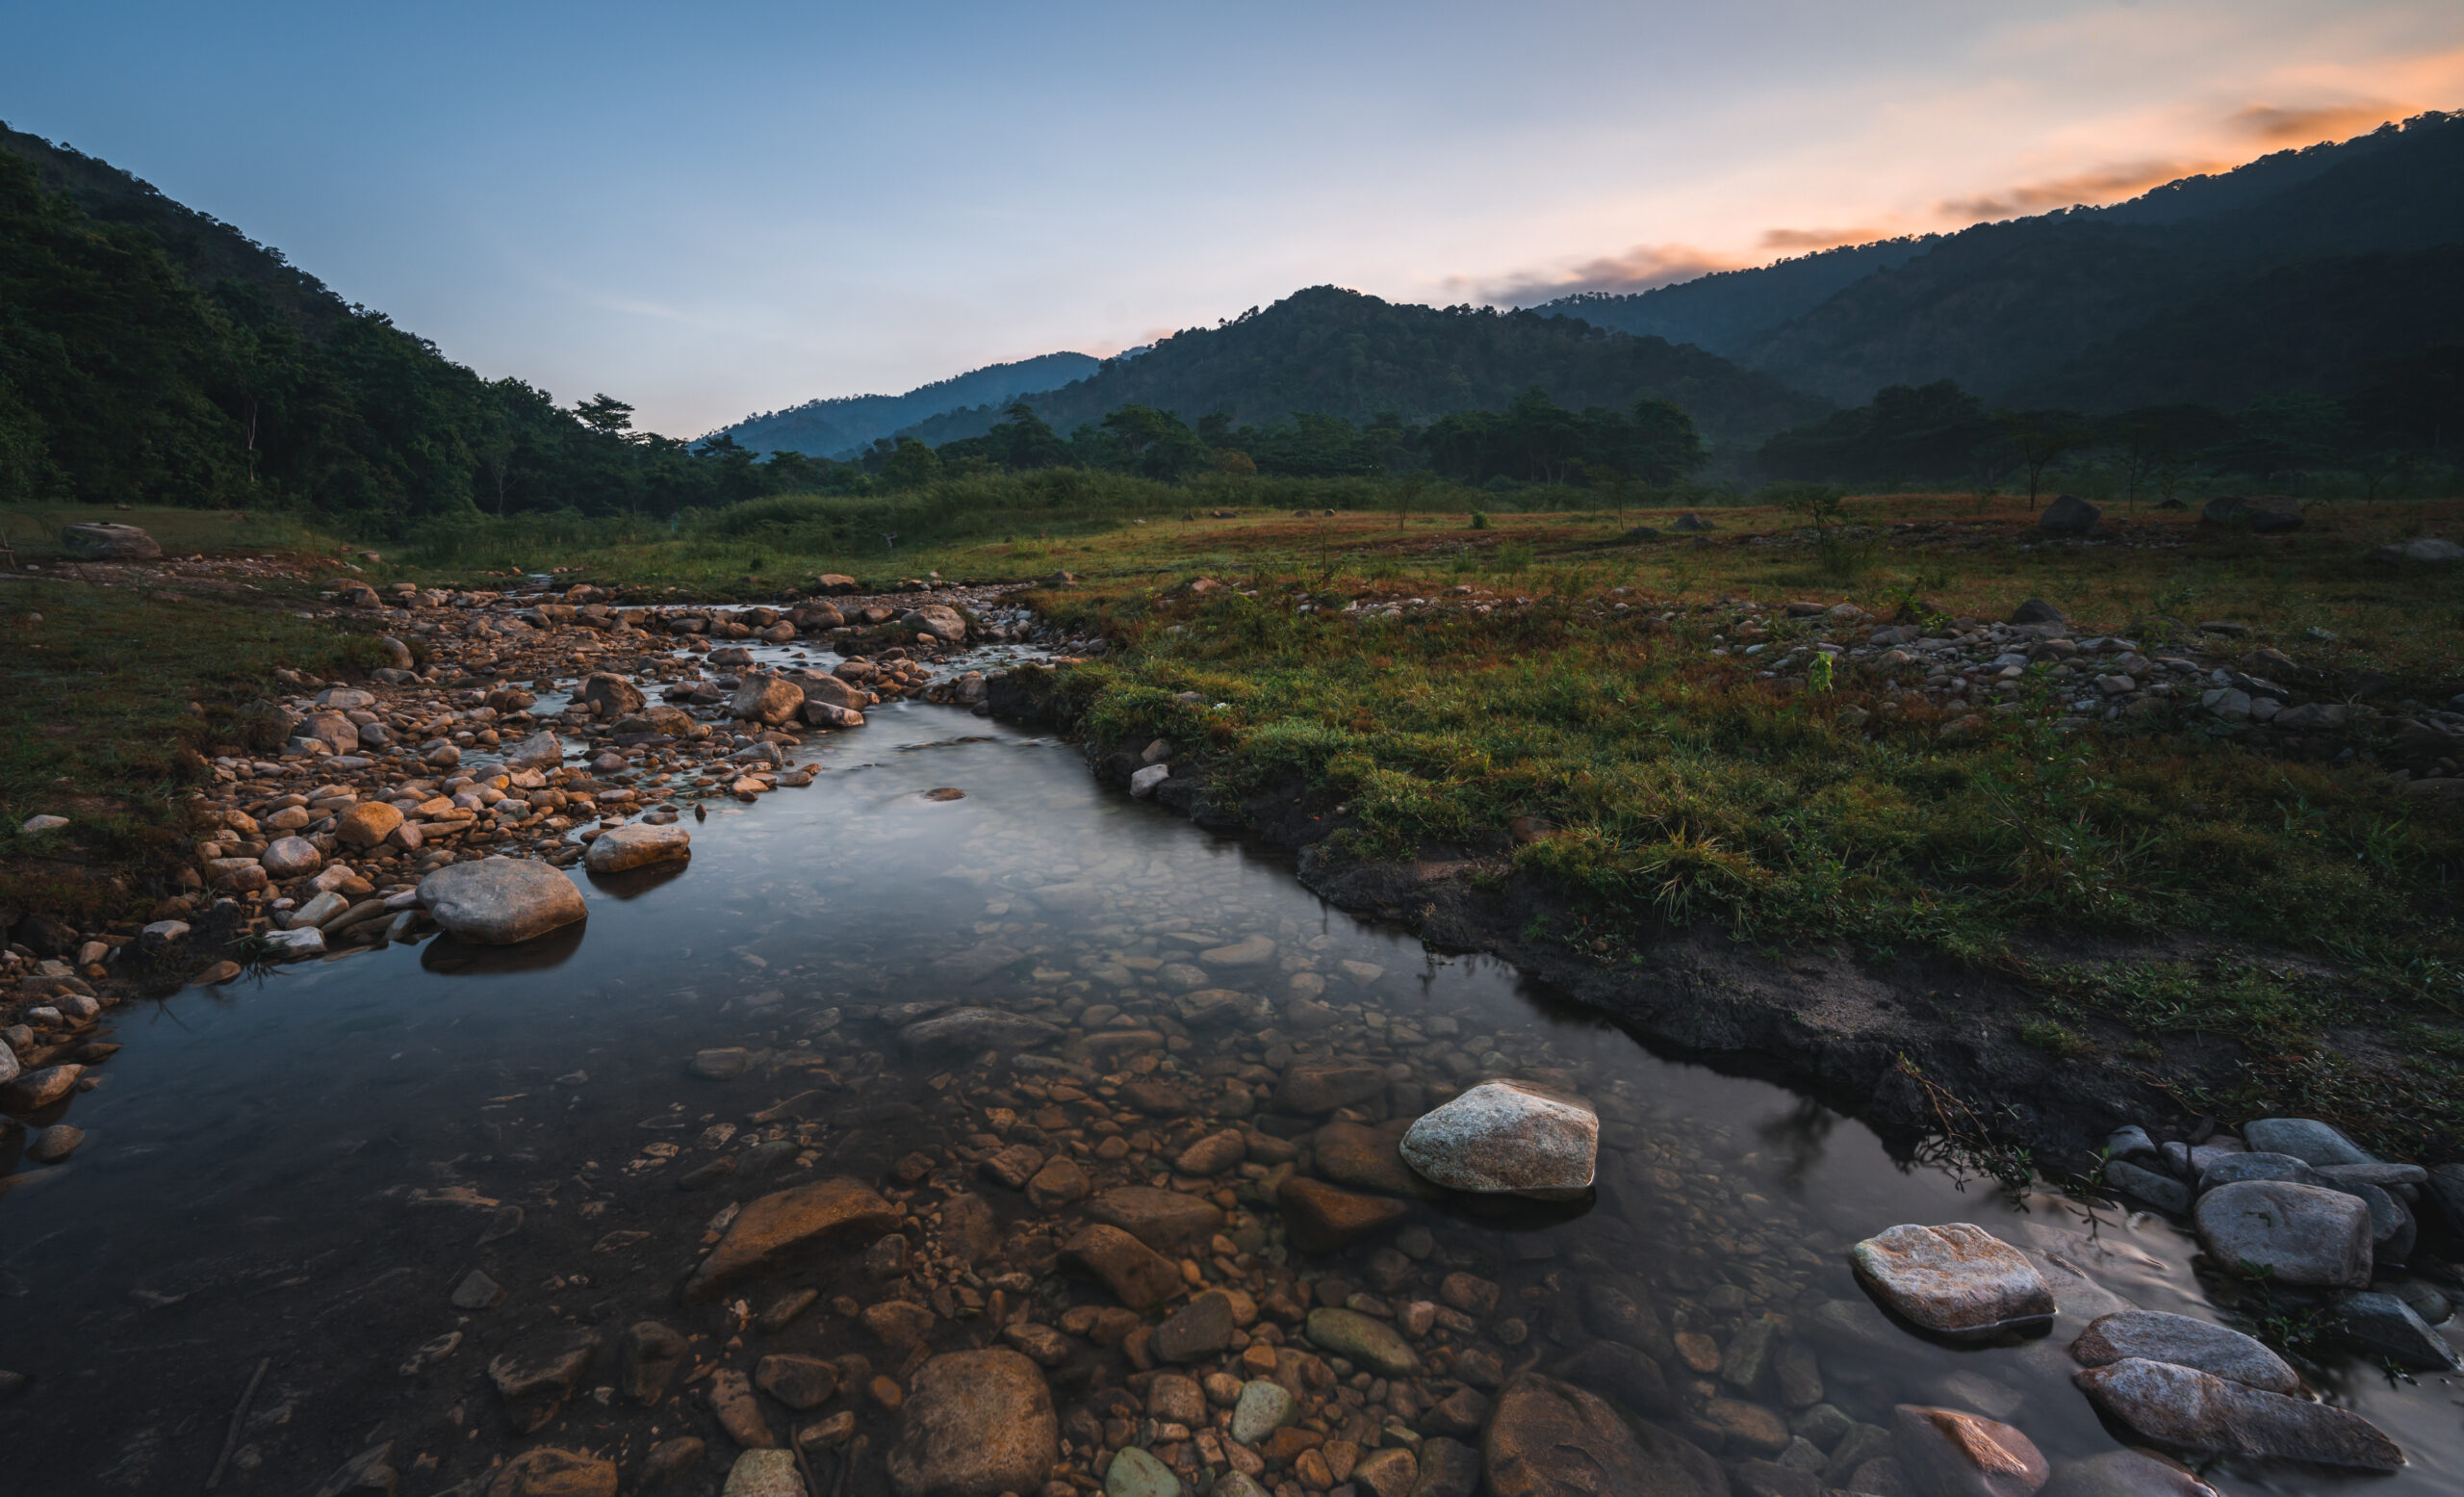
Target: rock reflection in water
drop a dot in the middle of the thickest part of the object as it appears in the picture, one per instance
(1030, 1141)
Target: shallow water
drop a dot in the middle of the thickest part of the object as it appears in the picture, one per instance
(300, 1173)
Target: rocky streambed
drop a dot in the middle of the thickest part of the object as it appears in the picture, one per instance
(957, 1125)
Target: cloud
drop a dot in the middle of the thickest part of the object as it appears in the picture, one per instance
(2096, 185)
(1640, 269)
(2280, 126)
(1820, 238)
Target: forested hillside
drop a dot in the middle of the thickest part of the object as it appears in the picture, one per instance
(1727, 310)
(1335, 353)
(843, 426)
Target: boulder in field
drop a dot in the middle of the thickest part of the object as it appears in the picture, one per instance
(104, 541)
(499, 901)
(2068, 515)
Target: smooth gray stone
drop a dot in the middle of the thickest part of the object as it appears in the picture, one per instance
(2386, 1324)
(2257, 1167)
(2382, 1175)
(2160, 1336)
(2128, 1142)
(2163, 1192)
(2305, 1139)
(2297, 1234)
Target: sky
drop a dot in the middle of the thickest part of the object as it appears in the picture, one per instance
(718, 209)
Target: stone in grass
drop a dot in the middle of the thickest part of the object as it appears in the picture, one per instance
(34, 826)
(2200, 1411)
(2068, 515)
(636, 846)
(975, 1424)
(499, 901)
(2184, 1342)
(2293, 1234)
(1508, 1137)
(1950, 1451)
(1956, 1280)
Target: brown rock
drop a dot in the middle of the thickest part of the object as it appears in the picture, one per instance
(1749, 1424)
(768, 700)
(978, 1424)
(1197, 1329)
(784, 1226)
(533, 1381)
(800, 1383)
(1362, 1157)
(1165, 1220)
(739, 1412)
(548, 1472)
(1214, 1154)
(2123, 1473)
(1553, 1439)
(1387, 1473)
(1138, 1277)
(668, 1461)
(653, 1353)
(1013, 1166)
(1950, 1454)
(366, 824)
(1313, 1086)
(1319, 1218)
(1057, 1183)
(36, 1089)
(613, 695)
(897, 1323)
(970, 1232)
(1468, 1293)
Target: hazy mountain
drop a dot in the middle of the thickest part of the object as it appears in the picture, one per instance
(1330, 351)
(2153, 300)
(844, 426)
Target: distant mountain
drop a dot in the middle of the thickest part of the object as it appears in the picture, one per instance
(1330, 351)
(1727, 310)
(845, 425)
(2152, 300)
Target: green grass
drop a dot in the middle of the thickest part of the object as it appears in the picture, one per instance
(105, 705)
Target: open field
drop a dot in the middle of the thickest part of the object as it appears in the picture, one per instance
(1562, 704)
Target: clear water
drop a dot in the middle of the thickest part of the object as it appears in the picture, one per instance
(300, 1173)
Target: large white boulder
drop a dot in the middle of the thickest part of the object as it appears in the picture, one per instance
(498, 901)
(1506, 1137)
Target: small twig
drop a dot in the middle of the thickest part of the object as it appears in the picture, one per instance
(239, 1416)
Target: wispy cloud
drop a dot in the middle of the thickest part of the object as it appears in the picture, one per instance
(1820, 238)
(2096, 185)
(1640, 269)
(2278, 125)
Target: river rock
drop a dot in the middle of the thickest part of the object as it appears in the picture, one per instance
(534, 1380)
(1319, 1218)
(1365, 1159)
(1318, 1086)
(1214, 1154)
(1134, 1473)
(105, 540)
(768, 700)
(764, 1473)
(2297, 1234)
(1262, 1409)
(939, 620)
(1449, 1468)
(291, 857)
(1249, 951)
(2200, 1411)
(2123, 1473)
(651, 1355)
(611, 694)
(979, 1029)
(637, 845)
(1138, 1276)
(2184, 1342)
(1365, 1339)
(785, 1224)
(1506, 1137)
(366, 824)
(499, 901)
(2232, 1169)
(1948, 1453)
(2161, 1190)
(975, 1424)
(1553, 1439)
(1057, 1183)
(2380, 1322)
(738, 1412)
(546, 1471)
(1956, 1279)
(1163, 1220)
(798, 1382)
(39, 1088)
(540, 749)
(1197, 1329)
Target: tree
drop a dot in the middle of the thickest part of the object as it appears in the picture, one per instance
(910, 465)
(605, 414)
(2038, 437)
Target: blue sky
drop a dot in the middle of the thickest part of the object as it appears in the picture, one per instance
(715, 209)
